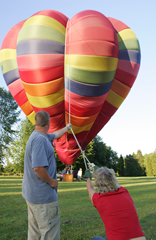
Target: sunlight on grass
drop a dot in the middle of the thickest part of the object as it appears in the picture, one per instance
(11, 193)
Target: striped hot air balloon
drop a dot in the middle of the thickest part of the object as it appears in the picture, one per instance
(79, 71)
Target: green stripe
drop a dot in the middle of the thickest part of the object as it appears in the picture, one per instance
(40, 32)
(8, 65)
(91, 77)
(129, 44)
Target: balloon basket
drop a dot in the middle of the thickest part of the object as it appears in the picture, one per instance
(68, 177)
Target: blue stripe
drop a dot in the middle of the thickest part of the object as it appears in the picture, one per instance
(130, 55)
(11, 76)
(87, 90)
(39, 46)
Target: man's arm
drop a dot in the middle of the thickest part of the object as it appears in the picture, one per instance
(60, 132)
(43, 174)
(90, 189)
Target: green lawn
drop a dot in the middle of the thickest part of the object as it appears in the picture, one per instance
(79, 219)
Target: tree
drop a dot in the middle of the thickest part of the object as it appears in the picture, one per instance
(132, 167)
(120, 166)
(17, 147)
(153, 157)
(100, 152)
(9, 114)
(148, 161)
(140, 158)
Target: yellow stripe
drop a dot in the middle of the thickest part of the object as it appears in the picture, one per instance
(45, 21)
(125, 34)
(114, 99)
(80, 129)
(91, 63)
(6, 54)
(47, 101)
(31, 117)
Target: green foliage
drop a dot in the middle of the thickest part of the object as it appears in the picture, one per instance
(141, 162)
(17, 147)
(120, 166)
(132, 166)
(150, 161)
(8, 117)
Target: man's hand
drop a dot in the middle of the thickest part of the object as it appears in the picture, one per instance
(54, 183)
(87, 175)
(69, 126)
(43, 174)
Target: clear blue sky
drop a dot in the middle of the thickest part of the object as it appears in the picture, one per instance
(133, 127)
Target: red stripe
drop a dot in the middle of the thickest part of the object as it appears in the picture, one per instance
(42, 75)
(83, 101)
(125, 78)
(129, 67)
(21, 98)
(39, 61)
(82, 111)
(15, 87)
(97, 48)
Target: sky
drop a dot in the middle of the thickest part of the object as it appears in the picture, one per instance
(133, 126)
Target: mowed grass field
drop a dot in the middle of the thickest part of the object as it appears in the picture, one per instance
(79, 219)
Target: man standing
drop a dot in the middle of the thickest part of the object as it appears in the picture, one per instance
(39, 187)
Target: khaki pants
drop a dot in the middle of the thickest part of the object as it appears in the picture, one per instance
(43, 221)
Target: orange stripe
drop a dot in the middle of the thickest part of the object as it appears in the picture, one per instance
(120, 88)
(27, 108)
(43, 89)
(80, 121)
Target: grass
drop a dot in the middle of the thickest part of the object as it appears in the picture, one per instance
(79, 219)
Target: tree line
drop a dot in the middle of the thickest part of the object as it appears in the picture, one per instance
(13, 143)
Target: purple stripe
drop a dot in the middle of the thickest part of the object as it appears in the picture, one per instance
(39, 46)
(87, 90)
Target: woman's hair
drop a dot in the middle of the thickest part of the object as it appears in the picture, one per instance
(41, 118)
(105, 180)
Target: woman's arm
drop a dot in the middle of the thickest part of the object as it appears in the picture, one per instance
(90, 189)
(60, 132)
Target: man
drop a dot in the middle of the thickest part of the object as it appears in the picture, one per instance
(39, 187)
(114, 205)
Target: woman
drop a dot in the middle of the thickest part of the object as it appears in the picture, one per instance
(115, 207)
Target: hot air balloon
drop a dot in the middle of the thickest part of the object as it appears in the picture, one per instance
(79, 71)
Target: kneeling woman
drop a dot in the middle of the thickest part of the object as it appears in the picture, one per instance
(115, 207)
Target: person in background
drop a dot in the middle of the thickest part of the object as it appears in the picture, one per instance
(39, 187)
(79, 175)
(114, 205)
(63, 172)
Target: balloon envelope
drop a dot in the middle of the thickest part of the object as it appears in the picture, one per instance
(78, 70)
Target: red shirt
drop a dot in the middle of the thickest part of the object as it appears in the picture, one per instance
(118, 214)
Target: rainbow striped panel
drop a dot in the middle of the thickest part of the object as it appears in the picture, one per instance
(10, 71)
(40, 57)
(126, 73)
(91, 57)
